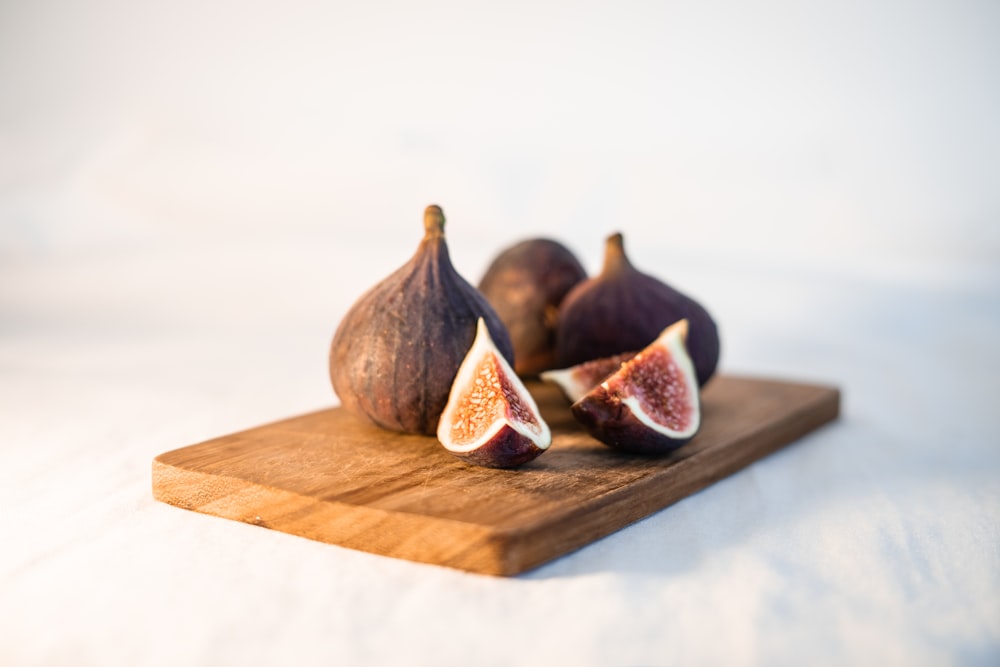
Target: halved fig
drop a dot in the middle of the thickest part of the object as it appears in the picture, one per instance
(490, 418)
(651, 404)
(576, 381)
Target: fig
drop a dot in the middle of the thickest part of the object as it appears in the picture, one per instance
(624, 309)
(576, 381)
(525, 285)
(491, 419)
(395, 354)
(651, 404)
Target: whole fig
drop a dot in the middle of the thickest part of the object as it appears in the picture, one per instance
(395, 354)
(624, 309)
(526, 283)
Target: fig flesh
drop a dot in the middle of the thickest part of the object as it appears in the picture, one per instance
(576, 381)
(624, 309)
(491, 419)
(395, 354)
(651, 404)
(525, 284)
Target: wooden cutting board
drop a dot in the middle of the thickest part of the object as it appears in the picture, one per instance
(329, 477)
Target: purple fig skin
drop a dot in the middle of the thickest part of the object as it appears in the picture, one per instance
(525, 284)
(396, 352)
(624, 309)
(611, 422)
(507, 449)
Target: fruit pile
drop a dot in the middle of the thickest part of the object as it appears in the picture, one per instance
(425, 352)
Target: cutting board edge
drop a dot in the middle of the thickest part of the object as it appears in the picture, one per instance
(484, 549)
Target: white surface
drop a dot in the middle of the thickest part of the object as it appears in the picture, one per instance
(191, 195)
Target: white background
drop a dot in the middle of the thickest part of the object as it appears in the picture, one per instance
(192, 194)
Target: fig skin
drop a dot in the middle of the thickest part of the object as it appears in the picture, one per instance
(625, 309)
(395, 354)
(607, 419)
(506, 449)
(525, 284)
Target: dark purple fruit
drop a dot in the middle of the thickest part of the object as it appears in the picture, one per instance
(525, 284)
(651, 404)
(624, 309)
(491, 419)
(396, 352)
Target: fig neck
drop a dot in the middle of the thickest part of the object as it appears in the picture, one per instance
(433, 222)
(615, 260)
(432, 253)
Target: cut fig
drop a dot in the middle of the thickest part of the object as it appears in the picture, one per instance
(576, 381)
(490, 418)
(651, 404)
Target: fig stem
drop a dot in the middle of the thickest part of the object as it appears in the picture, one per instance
(614, 254)
(433, 222)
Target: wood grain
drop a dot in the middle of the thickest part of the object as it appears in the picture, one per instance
(328, 476)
